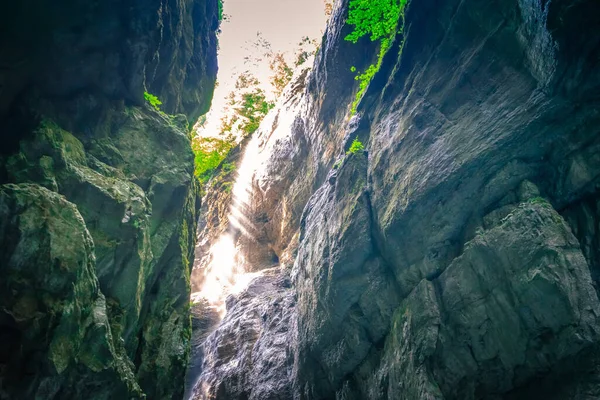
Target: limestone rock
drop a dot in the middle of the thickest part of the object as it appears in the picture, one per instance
(247, 356)
(55, 327)
(73, 119)
(457, 258)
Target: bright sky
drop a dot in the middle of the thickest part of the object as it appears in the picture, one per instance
(283, 23)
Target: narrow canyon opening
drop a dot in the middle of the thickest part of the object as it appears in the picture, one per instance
(300, 200)
(263, 47)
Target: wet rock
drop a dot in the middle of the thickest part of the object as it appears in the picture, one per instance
(205, 319)
(584, 219)
(345, 291)
(145, 285)
(246, 357)
(107, 51)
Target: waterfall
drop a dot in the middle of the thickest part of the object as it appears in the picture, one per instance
(225, 273)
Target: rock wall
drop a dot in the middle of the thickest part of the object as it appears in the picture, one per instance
(456, 258)
(98, 199)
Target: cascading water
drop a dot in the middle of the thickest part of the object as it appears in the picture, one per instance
(225, 263)
(225, 273)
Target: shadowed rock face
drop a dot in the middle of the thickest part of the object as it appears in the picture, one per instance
(54, 318)
(106, 51)
(458, 257)
(98, 197)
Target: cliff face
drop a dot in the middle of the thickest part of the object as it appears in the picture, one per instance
(455, 258)
(98, 202)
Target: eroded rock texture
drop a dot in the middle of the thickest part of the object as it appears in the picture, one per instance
(99, 203)
(246, 356)
(457, 258)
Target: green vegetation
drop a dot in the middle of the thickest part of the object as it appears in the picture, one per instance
(209, 154)
(249, 105)
(153, 100)
(380, 19)
(538, 200)
(364, 80)
(220, 10)
(328, 8)
(282, 72)
(227, 186)
(227, 167)
(355, 147)
(306, 48)
(253, 110)
(249, 109)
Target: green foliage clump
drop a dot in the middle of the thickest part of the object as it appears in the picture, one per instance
(227, 186)
(249, 105)
(539, 200)
(381, 20)
(377, 18)
(153, 100)
(283, 73)
(306, 48)
(220, 10)
(209, 153)
(228, 167)
(252, 110)
(355, 147)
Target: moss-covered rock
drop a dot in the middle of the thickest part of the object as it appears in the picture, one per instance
(73, 120)
(136, 192)
(53, 313)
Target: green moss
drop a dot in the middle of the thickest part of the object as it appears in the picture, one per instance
(209, 153)
(220, 12)
(70, 148)
(153, 100)
(179, 121)
(69, 312)
(355, 147)
(380, 19)
(538, 200)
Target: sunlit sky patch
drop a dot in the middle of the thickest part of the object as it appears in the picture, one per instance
(248, 26)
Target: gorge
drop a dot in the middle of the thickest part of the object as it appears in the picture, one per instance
(416, 217)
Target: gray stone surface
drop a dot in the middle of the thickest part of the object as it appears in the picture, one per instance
(517, 301)
(247, 356)
(457, 259)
